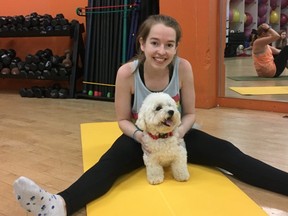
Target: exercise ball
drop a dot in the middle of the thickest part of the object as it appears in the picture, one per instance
(284, 3)
(248, 20)
(262, 19)
(236, 16)
(273, 4)
(248, 1)
(274, 17)
(283, 19)
(262, 10)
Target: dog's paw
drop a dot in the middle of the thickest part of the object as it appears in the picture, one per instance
(155, 181)
(181, 175)
(182, 178)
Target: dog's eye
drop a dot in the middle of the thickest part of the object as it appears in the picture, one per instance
(158, 108)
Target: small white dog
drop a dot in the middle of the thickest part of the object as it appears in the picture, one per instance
(159, 119)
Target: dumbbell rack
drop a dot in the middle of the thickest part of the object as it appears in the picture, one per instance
(78, 52)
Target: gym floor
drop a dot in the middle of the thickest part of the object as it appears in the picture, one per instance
(40, 139)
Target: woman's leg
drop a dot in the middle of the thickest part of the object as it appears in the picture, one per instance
(281, 61)
(207, 150)
(124, 156)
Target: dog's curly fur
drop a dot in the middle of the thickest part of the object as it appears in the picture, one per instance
(159, 119)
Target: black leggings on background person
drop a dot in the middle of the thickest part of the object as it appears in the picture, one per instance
(281, 61)
(125, 156)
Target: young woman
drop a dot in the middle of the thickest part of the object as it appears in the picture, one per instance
(157, 68)
(282, 41)
(265, 64)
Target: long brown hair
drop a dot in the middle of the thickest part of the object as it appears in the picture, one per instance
(260, 31)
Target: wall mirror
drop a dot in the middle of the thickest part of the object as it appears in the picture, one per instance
(237, 19)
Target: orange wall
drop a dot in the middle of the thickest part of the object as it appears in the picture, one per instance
(199, 22)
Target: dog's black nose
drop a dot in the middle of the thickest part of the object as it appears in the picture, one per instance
(171, 112)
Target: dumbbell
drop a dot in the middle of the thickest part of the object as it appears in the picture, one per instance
(5, 71)
(74, 22)
(45, 65)
(50, 73)
(54, 90)
(63, 93)
(67, 63)
(34, 91)
(45, 20)
(59, 20)
(21, 65)
(4, 28)
(29, 59)
(31, 74)
(3, 21)
(54, 72)
(64, 71)
(14, 66)
(4, 57)
(26, 92)
(59, 93)
(23, 92)
(19, 19)
(46, 74)
(23, 73)
(46, 54)
(55, 60)
(38, 91)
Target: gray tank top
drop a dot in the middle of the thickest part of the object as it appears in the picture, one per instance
(141, 91)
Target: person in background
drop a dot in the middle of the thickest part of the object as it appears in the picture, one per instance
(282, 41)
(266, 65)
(156, 68)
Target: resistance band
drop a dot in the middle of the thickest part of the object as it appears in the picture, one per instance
(80, 11)
(100, 84)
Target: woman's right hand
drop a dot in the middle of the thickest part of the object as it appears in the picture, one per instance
(139, 138)
(265, 26)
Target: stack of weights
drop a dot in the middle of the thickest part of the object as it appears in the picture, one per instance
(55, 91)
(41, 65)
(35, 22)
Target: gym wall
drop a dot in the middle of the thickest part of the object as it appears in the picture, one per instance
(200, 43)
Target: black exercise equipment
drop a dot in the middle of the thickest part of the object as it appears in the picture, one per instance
(109, 41)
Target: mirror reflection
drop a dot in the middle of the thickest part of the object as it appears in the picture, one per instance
(242, 18)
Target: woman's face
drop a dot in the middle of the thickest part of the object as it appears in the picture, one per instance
(283, 35)
(160, 46)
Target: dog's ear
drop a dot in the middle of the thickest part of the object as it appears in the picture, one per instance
(141, 122)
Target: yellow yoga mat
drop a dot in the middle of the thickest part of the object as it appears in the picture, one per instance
(263, 90)
(207, 193)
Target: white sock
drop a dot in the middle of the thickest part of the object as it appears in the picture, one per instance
(36, 200)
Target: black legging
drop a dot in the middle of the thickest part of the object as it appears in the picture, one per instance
(281, 61)
(125, 155)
